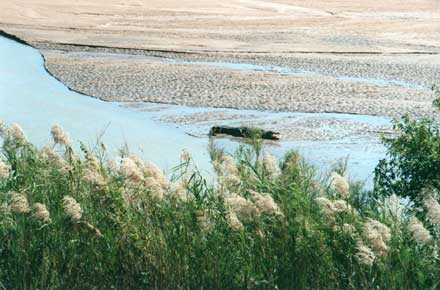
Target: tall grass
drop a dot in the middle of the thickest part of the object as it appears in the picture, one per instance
(72, 220)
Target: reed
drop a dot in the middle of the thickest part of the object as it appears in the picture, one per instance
(76, 220)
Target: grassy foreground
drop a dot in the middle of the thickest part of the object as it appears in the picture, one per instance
(77, 220)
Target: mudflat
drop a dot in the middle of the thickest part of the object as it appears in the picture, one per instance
(362, 57)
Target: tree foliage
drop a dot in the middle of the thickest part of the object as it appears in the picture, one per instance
(413, 157)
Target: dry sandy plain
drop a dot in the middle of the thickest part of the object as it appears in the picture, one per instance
(362, 57)
(269, 26)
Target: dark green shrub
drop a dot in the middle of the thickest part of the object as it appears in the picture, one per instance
(413, 158)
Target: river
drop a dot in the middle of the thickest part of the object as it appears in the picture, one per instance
(34, 99)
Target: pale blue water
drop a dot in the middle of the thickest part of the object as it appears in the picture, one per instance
(32, 98)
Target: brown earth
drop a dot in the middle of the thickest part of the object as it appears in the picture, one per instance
(230, 25)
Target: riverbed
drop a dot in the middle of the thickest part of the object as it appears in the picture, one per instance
(31, 97)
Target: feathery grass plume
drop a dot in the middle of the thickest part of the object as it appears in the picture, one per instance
(180, 190)
(244, 209)
(185, 156)
(143, 174)
(3, 130)
(418, 232)
(216, 163)
(152, 170)
(270, 165)
(230, 175)
(229, 171)
(4, 170)
(229, 165)
(52, 156)
(19, 203)
(324, 202)
(292, 161)
(348, 229)
(131, 171)
(155, 187)
(265, 203)
(72, 208)
(231, 180)
(91, 161)
(92, 172)
(17, 134)
(433, 209)
(340, 205)
(41, 213)
(340, 185)
(364, 255)
(377, 235)
(333, 207)
(139, 163)
(326, 205)
(130, 195)
(94, 177)
(233, 221)
(59, 136)
(113, 166)
(6, 219)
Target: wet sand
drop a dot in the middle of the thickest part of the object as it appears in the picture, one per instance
(121, 78)
(291, 126)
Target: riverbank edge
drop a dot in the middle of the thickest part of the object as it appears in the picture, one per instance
(24, 42)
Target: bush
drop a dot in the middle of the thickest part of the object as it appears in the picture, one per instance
(413, 161)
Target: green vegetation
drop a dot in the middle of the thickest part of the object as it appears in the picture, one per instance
(85, 221)
(413, 158)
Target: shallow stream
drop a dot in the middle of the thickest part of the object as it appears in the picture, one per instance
(34, 99)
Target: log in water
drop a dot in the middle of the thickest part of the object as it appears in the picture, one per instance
(244, 132)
